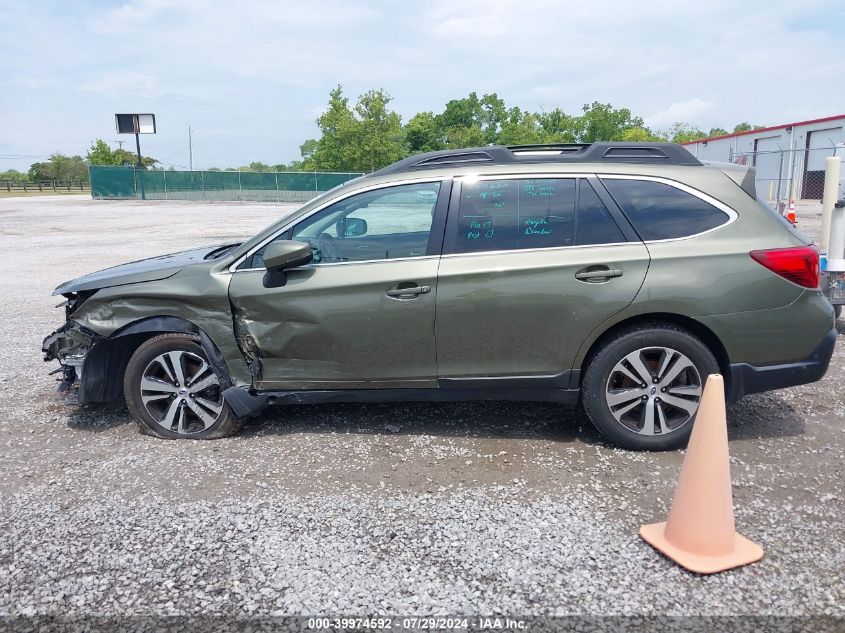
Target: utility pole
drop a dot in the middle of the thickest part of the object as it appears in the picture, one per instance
(120, 144)
(190, 150)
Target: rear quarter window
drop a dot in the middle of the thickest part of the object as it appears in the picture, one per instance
(660, 211)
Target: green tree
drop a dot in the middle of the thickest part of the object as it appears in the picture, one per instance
(365, 138)
(745, 126)
(124, 157)
(307, 149)
(493, 116)
(684, 132)
(558, 127)
(717, 131)
(424, 133)
(459, 136)
(13, 175)
(603, 122)
(101, 154)
(380, 137)
(338, 134)
(640, 134)
(463, 113)
(60, 168)
(521, 128)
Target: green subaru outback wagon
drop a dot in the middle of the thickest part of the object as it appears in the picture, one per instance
(617, 275)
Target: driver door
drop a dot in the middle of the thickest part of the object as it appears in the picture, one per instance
(361, 315)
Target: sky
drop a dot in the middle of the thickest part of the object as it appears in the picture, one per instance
(251, 77)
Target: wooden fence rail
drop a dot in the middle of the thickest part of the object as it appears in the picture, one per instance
(47, 185)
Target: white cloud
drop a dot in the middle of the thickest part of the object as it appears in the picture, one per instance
(248, 74)
(132, 83)
(683, 111)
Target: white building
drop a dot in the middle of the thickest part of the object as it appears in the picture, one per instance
(798, 149)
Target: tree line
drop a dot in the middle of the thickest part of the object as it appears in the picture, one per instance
(74, 169)
(368, 135)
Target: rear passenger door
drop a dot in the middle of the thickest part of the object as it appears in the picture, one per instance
(530, 266)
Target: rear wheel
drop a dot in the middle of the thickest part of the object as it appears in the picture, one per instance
(172, 391)
(642, 389)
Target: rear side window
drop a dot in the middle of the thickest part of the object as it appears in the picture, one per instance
(659, 211)
(595, 224)
(498, 215)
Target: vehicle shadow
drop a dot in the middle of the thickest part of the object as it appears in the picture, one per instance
(517, 420)
(765, 415)
(756, 417)
(97, 418)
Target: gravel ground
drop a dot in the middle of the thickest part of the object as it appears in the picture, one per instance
(422, 509)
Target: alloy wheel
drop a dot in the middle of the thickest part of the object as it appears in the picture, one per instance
(654, 391)
(181, 392)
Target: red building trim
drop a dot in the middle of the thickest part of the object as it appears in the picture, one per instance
(766, 129)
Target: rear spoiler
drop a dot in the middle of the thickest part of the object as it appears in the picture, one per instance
(743, 175)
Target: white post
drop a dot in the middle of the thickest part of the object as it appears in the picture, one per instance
(831, 190)
(836, 246)
(791, 187)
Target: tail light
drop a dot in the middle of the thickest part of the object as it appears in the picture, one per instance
(800, 265)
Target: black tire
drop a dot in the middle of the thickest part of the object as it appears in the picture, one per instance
(225, 423)
(595, 384)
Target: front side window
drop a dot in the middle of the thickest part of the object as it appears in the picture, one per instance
(380, 224)
(659, 211)
(496, 215)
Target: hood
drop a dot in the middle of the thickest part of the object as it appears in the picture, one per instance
(151, 269)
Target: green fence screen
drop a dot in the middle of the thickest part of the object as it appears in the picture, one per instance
(290, 186)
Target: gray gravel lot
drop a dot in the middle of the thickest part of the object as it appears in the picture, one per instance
(364, 509)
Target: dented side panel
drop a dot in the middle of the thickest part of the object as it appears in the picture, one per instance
(333, 326)
(194, 294)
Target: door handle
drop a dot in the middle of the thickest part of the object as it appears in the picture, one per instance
(408, 293)
(597, 273)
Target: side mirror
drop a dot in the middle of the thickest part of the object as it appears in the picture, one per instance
(351, 227)
(281, 256)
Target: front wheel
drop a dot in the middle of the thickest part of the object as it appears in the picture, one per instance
(642, 389)
(172, 391)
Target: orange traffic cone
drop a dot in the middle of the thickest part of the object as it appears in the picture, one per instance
(699, 533)
(791, 213)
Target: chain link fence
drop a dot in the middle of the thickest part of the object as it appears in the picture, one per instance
(248, 186)
(783, 174)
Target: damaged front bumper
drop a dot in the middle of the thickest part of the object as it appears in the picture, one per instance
(70, 345)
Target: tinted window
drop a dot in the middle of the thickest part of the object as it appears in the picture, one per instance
(381, 224)
(659, 211)
(595, 224)
(499, 215)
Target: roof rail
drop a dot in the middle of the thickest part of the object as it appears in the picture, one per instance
(604, 152)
